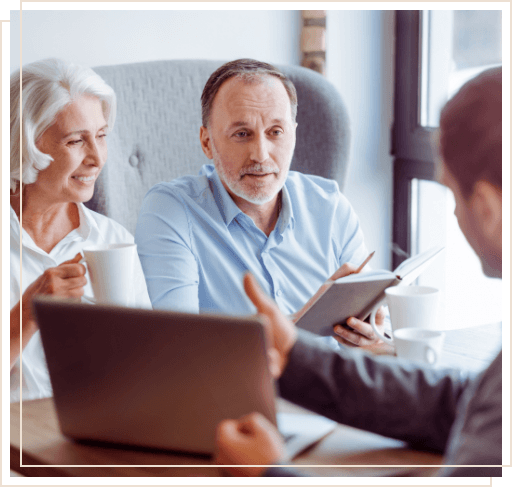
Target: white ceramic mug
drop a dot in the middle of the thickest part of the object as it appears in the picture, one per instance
(419, 345)
(111, 272)
(409, 306)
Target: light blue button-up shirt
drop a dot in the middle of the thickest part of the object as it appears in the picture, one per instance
(195, 244)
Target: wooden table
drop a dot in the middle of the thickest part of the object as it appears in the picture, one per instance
(473, 348)
(46, 452)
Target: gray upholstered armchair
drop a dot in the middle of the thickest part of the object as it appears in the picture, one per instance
(156, 135)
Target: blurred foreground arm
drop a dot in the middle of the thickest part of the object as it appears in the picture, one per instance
(281, 332)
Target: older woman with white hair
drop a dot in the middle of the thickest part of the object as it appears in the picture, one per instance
(66, 114)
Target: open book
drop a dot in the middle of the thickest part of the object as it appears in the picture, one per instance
(358, 294)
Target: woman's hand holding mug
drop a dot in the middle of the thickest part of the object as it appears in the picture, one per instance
(67, 280)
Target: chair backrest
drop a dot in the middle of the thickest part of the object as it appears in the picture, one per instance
(156, 135)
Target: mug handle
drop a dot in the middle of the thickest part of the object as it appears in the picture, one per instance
(88, 300)
(374, 325)
(430, 355)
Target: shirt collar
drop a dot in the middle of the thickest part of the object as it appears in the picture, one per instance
(225, 203)
(230, 210)
(286, 217)
(87, 223)
(15, 224)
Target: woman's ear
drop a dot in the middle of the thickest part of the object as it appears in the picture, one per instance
(486, 203)
(204, 137)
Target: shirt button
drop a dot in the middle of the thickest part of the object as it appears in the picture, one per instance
(279, 292)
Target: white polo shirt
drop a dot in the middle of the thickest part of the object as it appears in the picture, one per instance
(94, 231)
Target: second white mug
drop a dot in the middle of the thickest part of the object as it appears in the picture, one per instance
(419, 345)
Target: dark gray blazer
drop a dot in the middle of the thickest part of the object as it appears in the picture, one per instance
(430, 409)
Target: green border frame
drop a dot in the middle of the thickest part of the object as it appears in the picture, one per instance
(14, 5)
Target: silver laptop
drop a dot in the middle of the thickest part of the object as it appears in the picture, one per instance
(156, 379)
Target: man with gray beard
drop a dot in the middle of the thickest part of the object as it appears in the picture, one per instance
(198, 235)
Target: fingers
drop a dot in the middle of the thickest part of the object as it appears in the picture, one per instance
(56, 284)
(77, 258)
(68, 270)
(275, 362)
(233, 434)
(226, 430)
(65, 280)
(226, 441)
(345, 270)
(65, 271)
(254, 422)
(275, 359)
(72, 267)
(344, 342)
(231, 429)
(250, 440)
(362, 334)
(352, 337)
(361, 327)
(75, 286)
(264, 304)
(245, 429)
(282, 334)
(380, 316)
(294, 317)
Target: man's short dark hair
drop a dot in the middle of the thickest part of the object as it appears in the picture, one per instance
(470, 132)
(248, 70)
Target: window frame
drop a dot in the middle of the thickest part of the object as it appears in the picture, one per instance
(412, 143)
(413, 157)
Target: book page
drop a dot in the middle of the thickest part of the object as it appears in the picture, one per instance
(373, 275)
(414, 266)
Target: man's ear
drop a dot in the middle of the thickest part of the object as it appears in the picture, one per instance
(206, 142)
(486, 203)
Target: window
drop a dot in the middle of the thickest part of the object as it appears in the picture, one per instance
(437, 52)
(456, 45)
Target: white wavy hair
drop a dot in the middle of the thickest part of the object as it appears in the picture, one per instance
(48, 86)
